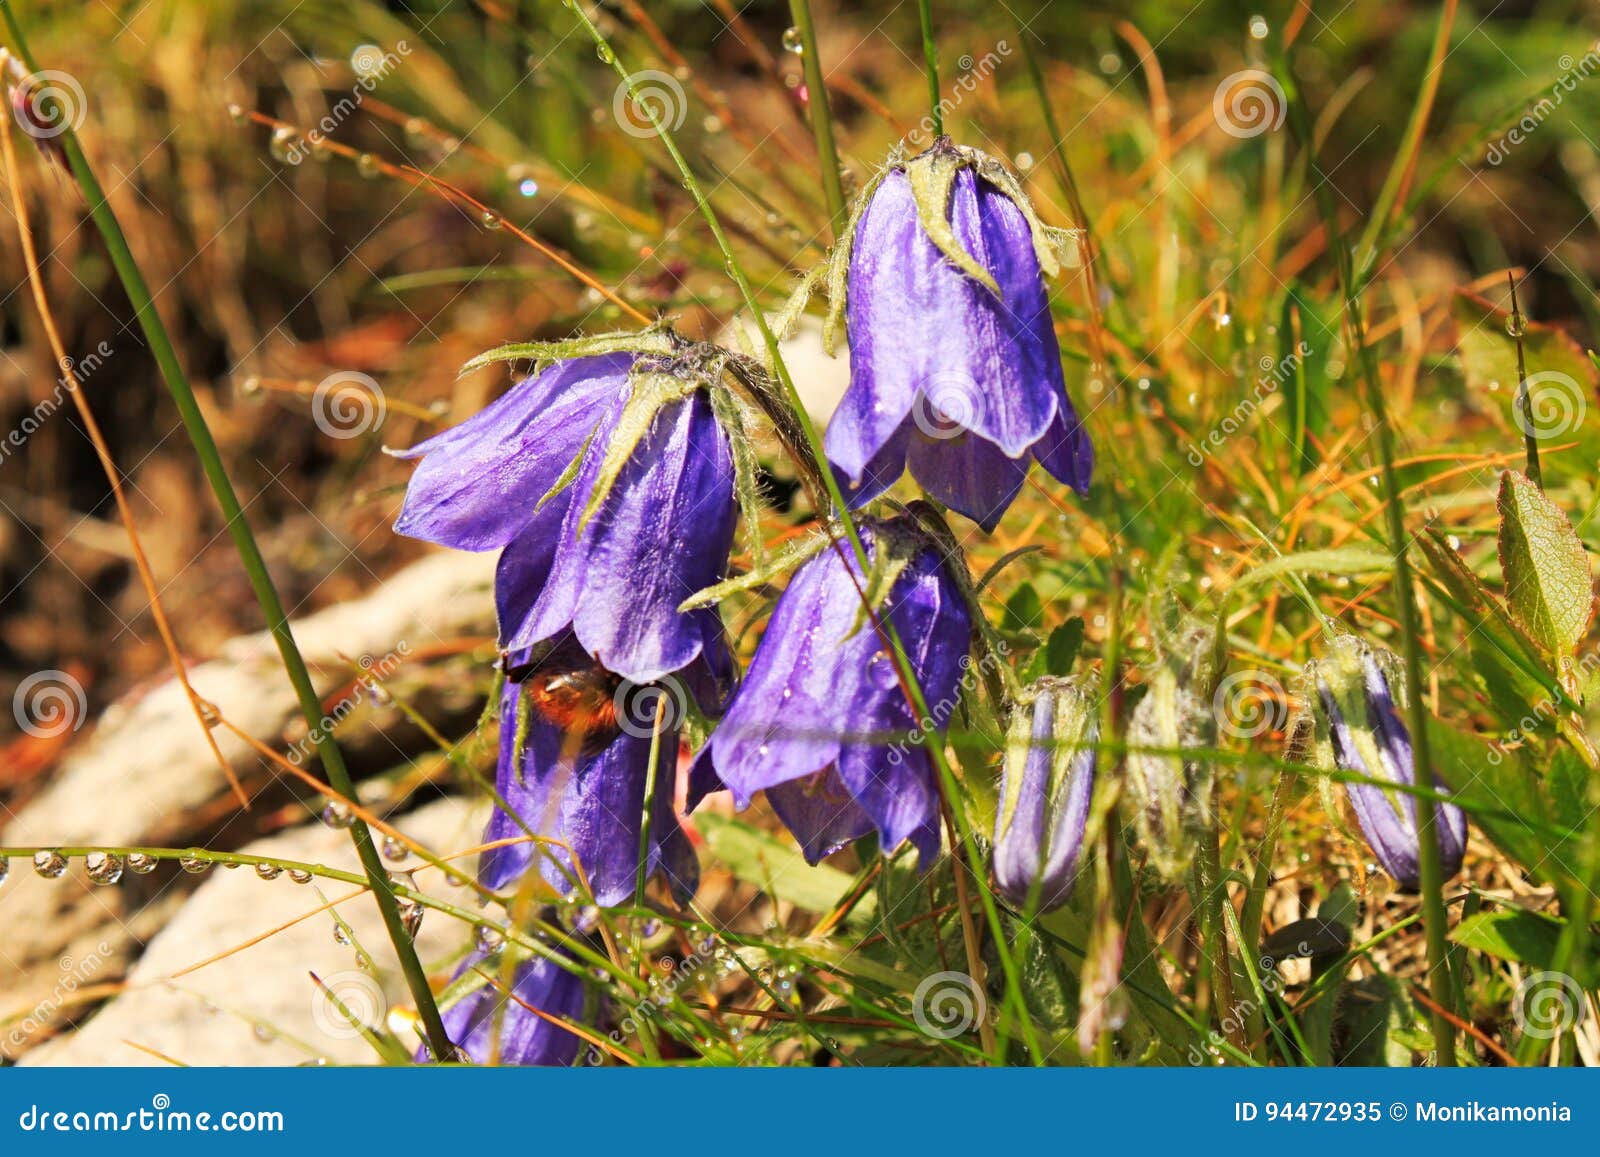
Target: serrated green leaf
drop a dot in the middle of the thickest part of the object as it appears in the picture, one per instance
(1548, 585)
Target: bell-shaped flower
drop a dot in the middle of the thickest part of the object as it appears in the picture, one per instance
(574, 770)
(954, 364)
(1360, 732)
(822, 722)
(489, 1024)
(608, 482)
(1046, 783)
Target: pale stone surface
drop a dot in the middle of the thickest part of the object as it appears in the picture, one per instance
(259, 1005)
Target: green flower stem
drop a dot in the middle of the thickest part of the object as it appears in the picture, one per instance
(930, 57)
(244, 542)
(821, 116)
(1435, 918)
(842, 511)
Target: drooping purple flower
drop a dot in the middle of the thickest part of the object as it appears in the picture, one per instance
(608, 482)
(579, 782)
(1364, 729)
(1046, 783)
(491, 1025)
(954, 364)
(822, 723)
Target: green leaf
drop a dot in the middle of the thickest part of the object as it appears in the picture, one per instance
(1061, 650)
(1024, 610)
(1342, 560)
(1514, 934)
(778, 868)
(651, 392)
(1547, 572)
(1498, 791)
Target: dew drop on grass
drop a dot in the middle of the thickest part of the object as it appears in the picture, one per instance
(141, 864)
(605, 54)
(300, 875)
(1259, 27)
(268, 871)
(394, 849)
(340, 936)
(489, 939)
(588, 919)
(793, 41)
(337, 814)
(5, 868)
(194, 865)
(103, 867)
(649, 928)
(264, 1033)
(237, 113)
(367, 165)
(49, 864)
(282, 145)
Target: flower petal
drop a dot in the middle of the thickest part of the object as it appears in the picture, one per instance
(968, 474)
(478, 482)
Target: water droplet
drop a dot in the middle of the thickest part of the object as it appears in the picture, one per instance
(490, 220)
(395, 849)
(1514, 325)
(1258, 27)
(268, 871)
(411, 914)
(649, 928)
(238, 115)
(5, 868)
(368, 166)
(1024, 161)
(264, 1033)
(282, 146)
(588, 919)
(1110, 62)
(337, 814)
(49, 864)
(711, 124)
(794, 41)
(300, 875)
(140, 864)
(103, 867)
(489, 939)
(193, 864)
(340, 936)
(603, 51)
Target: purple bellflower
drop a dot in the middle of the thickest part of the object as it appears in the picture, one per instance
(574, 767)
(954, 365)
(607, 483)
(1046, 783)
(822, 723)
(1361, 733)
(488, 1025)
